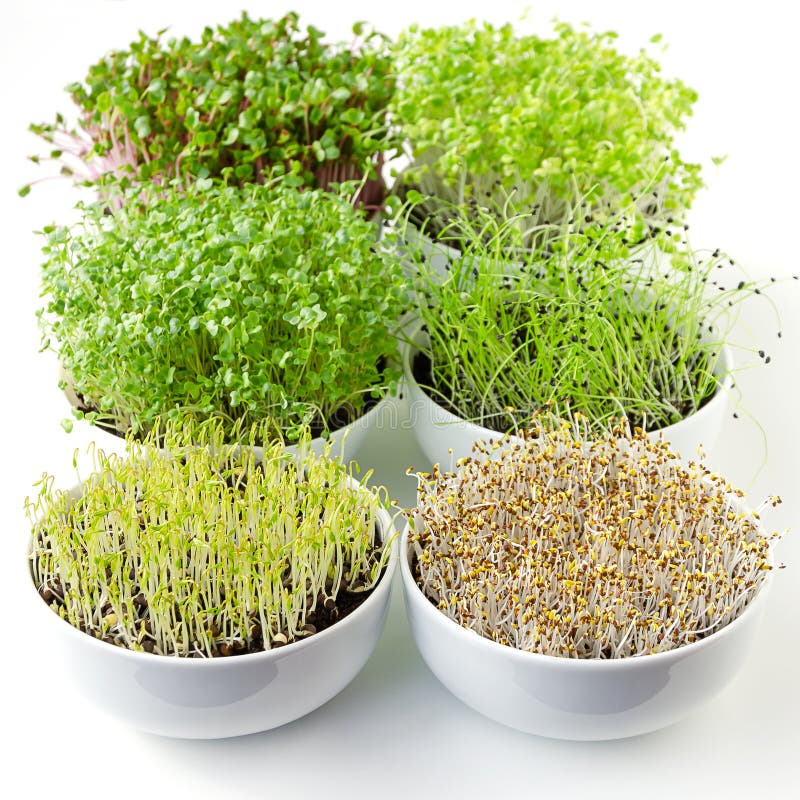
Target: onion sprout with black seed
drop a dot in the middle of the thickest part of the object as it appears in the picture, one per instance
(598, 320)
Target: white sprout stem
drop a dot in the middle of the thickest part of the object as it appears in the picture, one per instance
(581, 549)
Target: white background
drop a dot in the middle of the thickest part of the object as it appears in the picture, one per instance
(395, 731)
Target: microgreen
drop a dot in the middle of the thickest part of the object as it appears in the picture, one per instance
(190, 546)
(568, 546)
(244, 303)
(522, 123)
(248, 98)
(584, 319)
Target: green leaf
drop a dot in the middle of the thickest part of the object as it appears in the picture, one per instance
(103, 102)
(142, 127)
(206, 138)
(231, 136)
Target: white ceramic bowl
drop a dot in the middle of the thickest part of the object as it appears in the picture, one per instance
(220, 697)
(445, 437)
(579, 699)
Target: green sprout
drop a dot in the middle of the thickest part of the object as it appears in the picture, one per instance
(587, 320)
(189, 546)
(251, 97)
(246, 303)
(549, 128)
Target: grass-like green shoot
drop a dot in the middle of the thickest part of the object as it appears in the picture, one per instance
(585, 319)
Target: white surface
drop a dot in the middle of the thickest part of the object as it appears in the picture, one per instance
(395, 717)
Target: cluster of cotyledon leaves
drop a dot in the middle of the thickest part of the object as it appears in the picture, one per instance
(249, 99)
(206, 301)
(540, 126)
(250, 303)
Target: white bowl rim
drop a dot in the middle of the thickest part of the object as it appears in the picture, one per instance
(529, 658)
(409, 350)
(172, 661)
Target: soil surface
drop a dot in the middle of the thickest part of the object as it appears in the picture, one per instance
(327, 612)
(423, 374)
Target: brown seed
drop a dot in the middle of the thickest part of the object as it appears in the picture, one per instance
(329, 603)
(225, 650)
(309, 628)
(148, 645)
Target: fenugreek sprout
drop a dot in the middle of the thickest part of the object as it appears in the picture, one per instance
(189, 546)
(558, 544)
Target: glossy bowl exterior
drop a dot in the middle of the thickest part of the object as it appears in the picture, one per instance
(438, 431)
(211, 698)
(577, 699)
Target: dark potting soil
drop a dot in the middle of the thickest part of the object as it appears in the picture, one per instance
(328, 611)
(422, 371)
